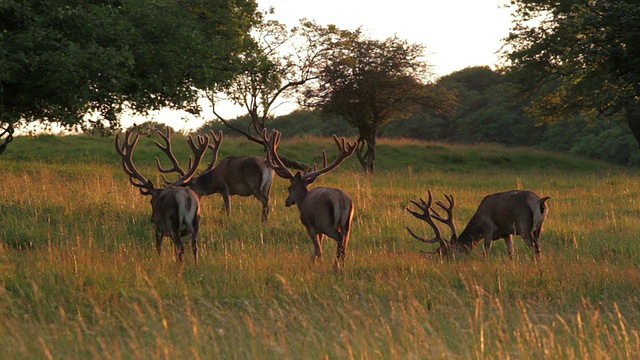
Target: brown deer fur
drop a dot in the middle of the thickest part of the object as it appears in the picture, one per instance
(175, 210)
(323, 211)
(499, 216)
(237, 175)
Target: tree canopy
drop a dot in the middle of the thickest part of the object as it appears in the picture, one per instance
(275, 65)
(371, 82)
(577, 58)
(61, 60)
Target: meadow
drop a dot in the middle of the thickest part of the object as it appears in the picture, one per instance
(80, 278)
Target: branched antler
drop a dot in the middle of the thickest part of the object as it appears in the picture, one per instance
(428, 215)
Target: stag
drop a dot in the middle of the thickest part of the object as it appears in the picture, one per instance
(234, 175)
(499, 216)
(323, 210)
(175, 209)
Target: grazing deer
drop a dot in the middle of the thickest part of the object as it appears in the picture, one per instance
(234, 175)
(323, 211)
(175, 210)
(499, 216)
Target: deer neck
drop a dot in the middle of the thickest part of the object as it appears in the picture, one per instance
(207, 183)
(299, 196)
(470, 236)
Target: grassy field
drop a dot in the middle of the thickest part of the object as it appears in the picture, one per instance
(79, 277)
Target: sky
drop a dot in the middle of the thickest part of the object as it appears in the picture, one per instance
(455, 33)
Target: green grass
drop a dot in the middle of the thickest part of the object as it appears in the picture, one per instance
(79, 277)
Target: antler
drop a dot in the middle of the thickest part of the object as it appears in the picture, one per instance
(9, 132)
(272, 154)
(345, 148)
(428, 215)
(198, 151)
(168, 150)
(126, 154)
(215, 148)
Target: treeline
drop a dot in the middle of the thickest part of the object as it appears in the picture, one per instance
(488, 111)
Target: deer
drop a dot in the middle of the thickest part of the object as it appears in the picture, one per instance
(234, 175)
(323, 210)
(175, 209)
(499, 216)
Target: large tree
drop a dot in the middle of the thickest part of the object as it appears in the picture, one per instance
(371, 82)
(275, 65)
(61, 60)
(577, 58)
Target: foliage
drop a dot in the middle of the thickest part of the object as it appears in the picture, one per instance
(79, 278)
(62, 60)
(600, 139)
(275, 64)
(371, 82)
(151, 128)
(577, 58)
(488, 111)
(296, 124)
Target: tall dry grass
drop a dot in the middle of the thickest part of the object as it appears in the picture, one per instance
(79, 277)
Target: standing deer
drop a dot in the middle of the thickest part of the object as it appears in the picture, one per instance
(323, 210)
(175, 210)
(499, 216)
(234, 175)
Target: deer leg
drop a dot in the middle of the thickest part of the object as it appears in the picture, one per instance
(159, 242)
(341, 254)
(341, 248)
(487, 245)
(178, 246)
(509, 241)
(265, 205)
(194, 240)
(317, 245)
(533, 243)
(487, 233)
(226, 197)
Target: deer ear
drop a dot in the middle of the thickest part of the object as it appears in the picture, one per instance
(298, 176)
(310, 181)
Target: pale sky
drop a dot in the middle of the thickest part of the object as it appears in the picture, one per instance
(456, 33)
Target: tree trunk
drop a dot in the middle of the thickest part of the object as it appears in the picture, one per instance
(367, 157)
(6, 136)
(632, 113)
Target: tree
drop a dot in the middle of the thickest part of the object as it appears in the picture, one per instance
(6, 136)
(577, 58)
(61, 60)
(275, 64)
(371, 82)
(490, 110)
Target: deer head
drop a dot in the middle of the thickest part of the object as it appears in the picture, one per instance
(301, 180)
